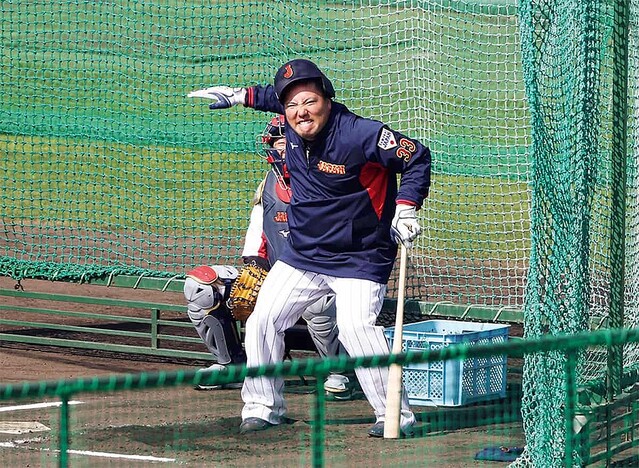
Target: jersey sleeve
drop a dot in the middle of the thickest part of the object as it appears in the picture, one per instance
(406, 156)
(253, 239)
(263, 98)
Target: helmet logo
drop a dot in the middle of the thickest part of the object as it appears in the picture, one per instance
(288, 71)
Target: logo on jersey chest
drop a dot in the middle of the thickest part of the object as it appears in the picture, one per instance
(330, 168)
(280, 217)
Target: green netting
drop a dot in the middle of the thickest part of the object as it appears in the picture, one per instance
(631, 271)
(583, 210)
(107, 165)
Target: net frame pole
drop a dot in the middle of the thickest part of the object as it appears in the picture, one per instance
(618, 189)
(65, 432)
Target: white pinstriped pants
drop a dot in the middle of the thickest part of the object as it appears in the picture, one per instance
(284, 296)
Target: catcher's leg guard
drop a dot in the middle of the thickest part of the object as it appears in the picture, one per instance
(220, 336)
(218, 332)
(322, 326)
(204, 290)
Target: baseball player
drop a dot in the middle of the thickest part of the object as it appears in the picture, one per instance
(346, 216)
(207, 288)
(265, 240)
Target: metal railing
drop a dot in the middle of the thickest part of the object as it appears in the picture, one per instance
(586, 442)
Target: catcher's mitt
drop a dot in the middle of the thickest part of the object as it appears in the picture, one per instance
(244, 292)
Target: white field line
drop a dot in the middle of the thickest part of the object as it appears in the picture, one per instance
(17, 442)
(20, 443)
(121, 455)
(36, 406)
(94, 454)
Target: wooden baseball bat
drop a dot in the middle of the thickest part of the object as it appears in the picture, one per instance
(394, 393)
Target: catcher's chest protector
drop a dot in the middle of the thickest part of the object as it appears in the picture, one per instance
(275, 224)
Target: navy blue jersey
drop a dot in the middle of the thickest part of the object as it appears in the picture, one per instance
(344, 187)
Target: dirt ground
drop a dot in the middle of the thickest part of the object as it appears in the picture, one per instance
(178, 426)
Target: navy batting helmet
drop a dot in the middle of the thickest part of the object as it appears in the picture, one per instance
(301, 70)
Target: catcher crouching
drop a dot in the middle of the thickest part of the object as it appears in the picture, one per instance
(207, 289)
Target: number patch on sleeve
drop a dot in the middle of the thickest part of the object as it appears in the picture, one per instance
(406, 149)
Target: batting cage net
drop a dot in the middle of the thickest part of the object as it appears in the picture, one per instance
(109, 167)
(580, 68)
(529, 108)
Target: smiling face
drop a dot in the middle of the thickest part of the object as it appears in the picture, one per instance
(306, 109)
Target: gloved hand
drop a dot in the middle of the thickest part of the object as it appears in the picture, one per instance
(404, 227)
(224, 96)
(259, 261)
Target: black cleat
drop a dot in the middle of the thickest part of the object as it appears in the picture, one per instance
(254, 425)
(377, 430)
(228, 386)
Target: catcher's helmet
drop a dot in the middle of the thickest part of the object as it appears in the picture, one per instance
(276, 158)
(273, 131)
(301, 70)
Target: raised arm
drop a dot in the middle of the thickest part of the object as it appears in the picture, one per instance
(257, 97)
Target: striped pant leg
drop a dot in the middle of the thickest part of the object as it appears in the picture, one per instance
(358, 304)
(284, 295)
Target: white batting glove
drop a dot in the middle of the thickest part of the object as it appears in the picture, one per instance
(224, 96)
(404, 227)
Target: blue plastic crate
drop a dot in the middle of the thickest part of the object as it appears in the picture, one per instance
(452, 382)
